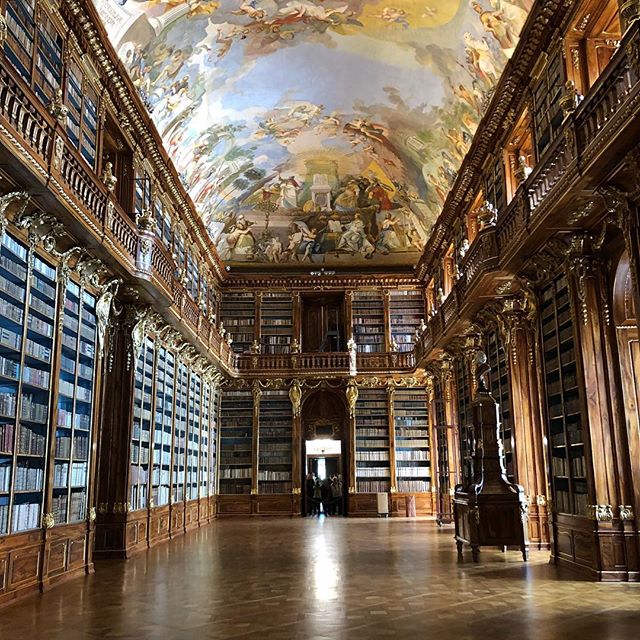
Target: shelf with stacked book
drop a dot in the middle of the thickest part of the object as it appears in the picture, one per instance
(412, 451)
(406, 311)
(563, 395)
(442, 440)
(373, 473)
(276, 323)
(21, 30)
(74, 418)
(501, 391)
(368, 321)
(214, 436)
(238, 313)
(140, 457)
(274, 432)
(193, 441)
(27, 308)
(180, 427)
(163, 427)
(205, 440)
(465, 415)
(236, 442)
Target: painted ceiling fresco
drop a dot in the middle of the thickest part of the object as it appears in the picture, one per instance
(316, 131)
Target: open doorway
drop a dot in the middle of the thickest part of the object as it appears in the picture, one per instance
(324, 469)
(324, 453)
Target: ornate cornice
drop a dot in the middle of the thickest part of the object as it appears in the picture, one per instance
(510, 94)
(133, 117)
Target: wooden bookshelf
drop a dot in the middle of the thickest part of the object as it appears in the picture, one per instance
(238, 313)
(500, 389)
(21, 33)
(369, 321)
(412, 446)
(180, 436)
(406, 309)
(373, 472)
(74, 417)
(563, 394)
(275, 454)
(140, 444)
(163, 427)
(27, 310)
(276, 323)
(193, 441)
(465, 416)
(236, 440)
(547, 114)
(214, 435)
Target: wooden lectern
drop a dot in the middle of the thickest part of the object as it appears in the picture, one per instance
(488, 509)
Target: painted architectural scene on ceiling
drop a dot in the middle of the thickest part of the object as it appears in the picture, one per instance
(316, 131)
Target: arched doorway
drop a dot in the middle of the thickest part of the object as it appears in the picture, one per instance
(325, 446)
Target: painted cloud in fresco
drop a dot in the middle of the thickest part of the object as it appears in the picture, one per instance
(316, 131)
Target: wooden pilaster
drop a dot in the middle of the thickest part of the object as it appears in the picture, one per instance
(255, 448)
(523, 362)
(393, 480)
(611, 494)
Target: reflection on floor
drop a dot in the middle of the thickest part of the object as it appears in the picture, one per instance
(326, 578)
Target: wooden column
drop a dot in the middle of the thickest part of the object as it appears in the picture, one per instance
(297, 319)
(523, 362)
(255, 444)
(352, 397)
(348, 315)
(115, 435)
(257, 318)
(295, 395)
(611, 492)
(451, 415)
(386, 306)
(393, 481)
(433, 440)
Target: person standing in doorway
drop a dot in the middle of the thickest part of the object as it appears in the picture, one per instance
(310, 484)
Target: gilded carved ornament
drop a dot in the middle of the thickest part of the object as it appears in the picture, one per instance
(600, 512)
(295, 395)
(48, 521)
(352, 397)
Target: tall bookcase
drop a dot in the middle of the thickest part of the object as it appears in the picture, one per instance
(406, 309)
(368, 321)
(373, 473)
(569, 469)
(180, 427)
(141, 427)
(74, 420)
(501, 392)
(27, 309)
(236, 442)
(163, 427)
(205, 441)
(214, 435)
(193, 442)
(238, 313)
(275, 431)
(411, 424)
(276, 323)
(465, 415)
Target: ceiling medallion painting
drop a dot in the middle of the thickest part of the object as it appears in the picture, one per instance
(323, 132)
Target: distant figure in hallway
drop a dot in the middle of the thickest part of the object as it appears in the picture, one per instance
(310, 485)
(317, 497)
(325, 490)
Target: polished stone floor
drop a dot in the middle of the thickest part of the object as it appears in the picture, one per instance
(310, 579)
